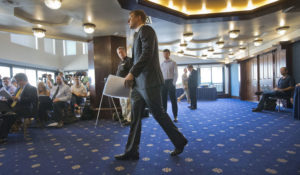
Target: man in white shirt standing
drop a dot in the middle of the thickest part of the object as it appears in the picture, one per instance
(170, 74)
(61, 96)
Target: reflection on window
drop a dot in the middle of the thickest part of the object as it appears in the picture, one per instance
(69, 47)
(24, 40)
(4, 71)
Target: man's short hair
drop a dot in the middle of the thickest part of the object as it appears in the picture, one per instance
(140, 13)
(6, 78)
(285, 68)
(190, 66)
(121, 47)
(167, 50)
(21, 77)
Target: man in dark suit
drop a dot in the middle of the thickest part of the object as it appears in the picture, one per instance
(24, 103)
(146, 90)
(193, 83)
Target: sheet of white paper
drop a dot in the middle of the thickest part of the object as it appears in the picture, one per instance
(5, 93)
(114, 87)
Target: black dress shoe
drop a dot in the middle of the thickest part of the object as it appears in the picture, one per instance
(256, 110)
(127, 157)
(189, 106)
(193, 108)
(178, 151)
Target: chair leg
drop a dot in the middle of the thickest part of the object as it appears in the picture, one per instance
(25, 126)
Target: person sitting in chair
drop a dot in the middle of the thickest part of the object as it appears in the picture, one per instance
(61, 96)
(284, 88)
(78, 93)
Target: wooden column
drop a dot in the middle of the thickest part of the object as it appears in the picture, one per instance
(103, 60)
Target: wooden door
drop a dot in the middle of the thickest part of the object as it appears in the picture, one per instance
(280, 61)
(266, 77)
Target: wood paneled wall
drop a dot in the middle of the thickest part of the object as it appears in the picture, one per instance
(103, 60)
(262, 71)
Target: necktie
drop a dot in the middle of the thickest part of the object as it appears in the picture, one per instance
(17, 96)
(56, 92)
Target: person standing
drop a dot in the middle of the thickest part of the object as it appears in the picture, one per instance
(123, 69)
(146, 89)
(170, 74)
(185, 81)
(193, 83)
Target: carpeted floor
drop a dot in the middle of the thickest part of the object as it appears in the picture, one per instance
(225, 137)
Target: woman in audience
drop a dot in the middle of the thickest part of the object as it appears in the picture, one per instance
(45, 104)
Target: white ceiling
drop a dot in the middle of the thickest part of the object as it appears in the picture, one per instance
(111, 19)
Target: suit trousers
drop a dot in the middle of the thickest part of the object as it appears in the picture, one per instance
(60, 109)
(193, 96)
(7, 122)
(151, 97)
(169, 89)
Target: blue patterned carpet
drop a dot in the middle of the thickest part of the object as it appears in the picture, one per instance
(225, 137)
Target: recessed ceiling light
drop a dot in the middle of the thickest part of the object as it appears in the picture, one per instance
(242, 49)
(188, 36)
(258, 42)
(204, 56)
(231, 55)
(180, 53)
(220, 44)
(234, 33)
(89, 28)
(38, 32)
(211, 50)
(53, 4)
(282, 30)
(183, 45)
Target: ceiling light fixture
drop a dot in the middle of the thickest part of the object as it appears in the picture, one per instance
(204, 56)
(53, 4)
(180, 53)
(89, 28)
(234, 33)
(282, 30)
(242, 49)
(38, 32)
(183, 45)
(231, 55)
(258, 42)
(220, 44)
(210, 50)
(188, 36)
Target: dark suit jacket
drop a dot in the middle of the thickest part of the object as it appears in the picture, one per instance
(146, 66)
(28, 104)
(193, 79)
(124, 67)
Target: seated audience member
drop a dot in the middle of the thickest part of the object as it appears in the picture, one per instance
(23, 103)
(14, 82)
(78, 93)
(60, 95)
(8, 86)
(284, 89)
(45, 104)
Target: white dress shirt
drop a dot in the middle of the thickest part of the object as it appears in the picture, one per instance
(169, 70)
(64, 93)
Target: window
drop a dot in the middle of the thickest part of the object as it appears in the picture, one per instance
(69, 47)
(31, 74)
(212, 76)
(4, 71)
(205, 75)
(49, 45)
(24, 40)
